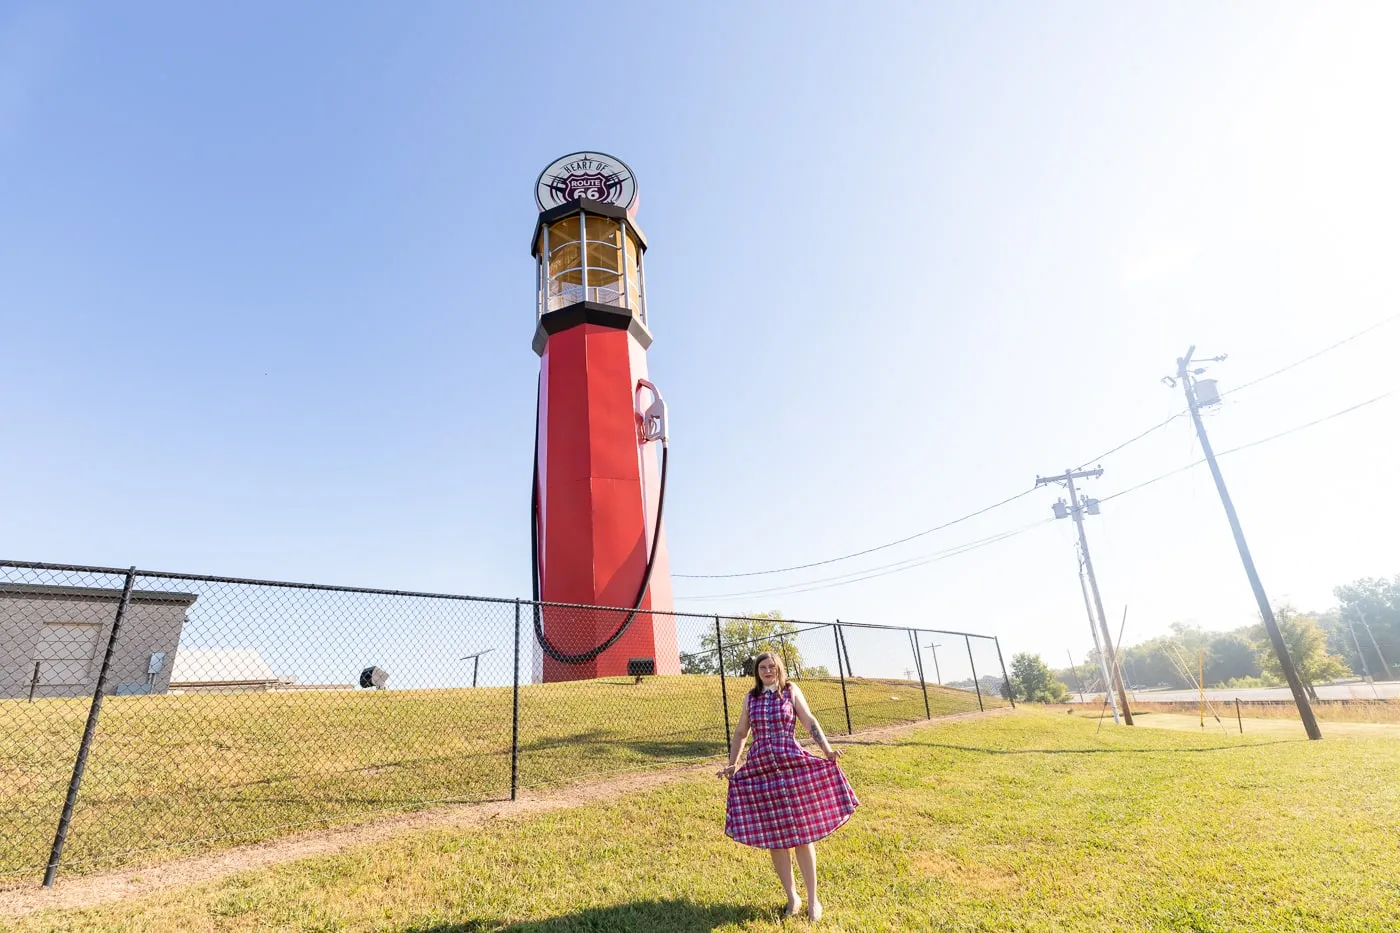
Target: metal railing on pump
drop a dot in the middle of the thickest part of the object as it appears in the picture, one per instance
(149, 714)
(562, 296)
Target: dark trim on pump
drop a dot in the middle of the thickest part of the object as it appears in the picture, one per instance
(585, 206)
(589, 312)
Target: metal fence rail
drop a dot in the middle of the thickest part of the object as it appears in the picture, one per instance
(144, 713)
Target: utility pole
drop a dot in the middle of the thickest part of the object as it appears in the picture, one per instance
(1375, 644)
(937, 676)
(1098, 648)
(1207, 391)
(1074, 672)
(1076, 511)
(1365, 668)
(476, 661)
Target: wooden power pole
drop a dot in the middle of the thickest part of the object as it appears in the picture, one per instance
(1076, 511)
(1204, 392)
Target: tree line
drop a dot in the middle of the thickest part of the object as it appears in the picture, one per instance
(1361, 634)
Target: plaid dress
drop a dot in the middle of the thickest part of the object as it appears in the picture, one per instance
(783, 796)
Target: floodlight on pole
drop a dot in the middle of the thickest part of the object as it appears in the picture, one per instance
(476, 661)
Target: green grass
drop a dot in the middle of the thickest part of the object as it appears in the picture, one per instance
(173, 774)
(1324, 710)
(1029, 822)
(1277, 727)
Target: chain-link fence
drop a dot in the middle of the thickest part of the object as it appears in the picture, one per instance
(144, 714)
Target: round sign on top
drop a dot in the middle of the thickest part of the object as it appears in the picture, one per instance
(589, 176)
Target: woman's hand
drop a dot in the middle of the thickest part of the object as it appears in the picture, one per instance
(725, 773)
(832, 753)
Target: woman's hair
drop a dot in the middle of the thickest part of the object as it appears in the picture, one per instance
(757, 690)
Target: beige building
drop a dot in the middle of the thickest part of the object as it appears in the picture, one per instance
(52, 640)
(223, 670)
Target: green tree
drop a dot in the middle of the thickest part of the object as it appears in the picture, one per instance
(1230, 656)
(1080, 678)
(746, 637)
(700, 662)
(1150, 663)
(1338, 630)
(1372, 605)
(1032, 681)
(1307, 646)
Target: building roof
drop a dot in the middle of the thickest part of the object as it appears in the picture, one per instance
(95, 593)
(220, 666)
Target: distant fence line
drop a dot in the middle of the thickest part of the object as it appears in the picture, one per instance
(145, 711)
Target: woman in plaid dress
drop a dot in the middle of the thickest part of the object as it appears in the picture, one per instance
(784, 798)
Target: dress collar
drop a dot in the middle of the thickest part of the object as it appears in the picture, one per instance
(770, 688)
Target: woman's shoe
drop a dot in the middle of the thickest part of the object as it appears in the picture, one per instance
(793, 906)
(814, 911)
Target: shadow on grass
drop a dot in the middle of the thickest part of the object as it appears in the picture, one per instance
(639, 916)
(597, 742)
(1073, 751)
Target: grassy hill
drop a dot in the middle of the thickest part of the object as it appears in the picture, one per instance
(172, 773)
(1029, 822)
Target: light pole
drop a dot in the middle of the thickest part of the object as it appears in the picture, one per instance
(937, 676)
(476, 661)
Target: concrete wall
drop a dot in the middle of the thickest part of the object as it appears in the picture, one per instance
(65, 630)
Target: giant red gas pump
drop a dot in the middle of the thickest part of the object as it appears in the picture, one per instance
(601, 434)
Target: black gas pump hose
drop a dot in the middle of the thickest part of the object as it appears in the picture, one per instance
(592, 653)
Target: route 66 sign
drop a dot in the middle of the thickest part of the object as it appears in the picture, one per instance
(589, 176)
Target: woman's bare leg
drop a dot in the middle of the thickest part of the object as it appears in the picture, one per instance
(807, 861)
(782, 864)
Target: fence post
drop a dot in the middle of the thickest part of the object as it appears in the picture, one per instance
(923, 685)
(1010, 694)
(836, 630)
(973, 664)
(34, 682)
(515, 711)
(723, 687)
(89, 730)
(842, 632)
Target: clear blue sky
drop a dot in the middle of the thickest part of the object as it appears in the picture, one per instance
(267, 308)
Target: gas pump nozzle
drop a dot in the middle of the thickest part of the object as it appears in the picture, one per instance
(653, 423)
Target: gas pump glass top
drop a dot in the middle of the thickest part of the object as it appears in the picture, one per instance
(591, 258)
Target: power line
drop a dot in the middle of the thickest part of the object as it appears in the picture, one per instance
(1253, 382)
(863, 573)
(870, 550)
(1312, 356)
(871, 573)
(1131, 440)
(859, 576)
(1262, 440)
(996, 505)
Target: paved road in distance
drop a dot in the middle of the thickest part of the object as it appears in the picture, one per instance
(1385, 690)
